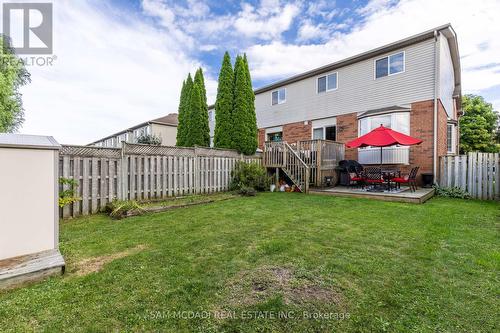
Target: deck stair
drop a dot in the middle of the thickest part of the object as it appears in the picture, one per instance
(281, 155)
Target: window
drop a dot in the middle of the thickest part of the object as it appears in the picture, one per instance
(450, 138)
(275, 137)
(390, 65)
(325, 133)
(210, 116)
(327, 82)
(279, 96)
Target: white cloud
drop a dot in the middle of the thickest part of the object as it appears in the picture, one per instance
(112, 71)
(474, 21)
(266, 22)
(308, 31)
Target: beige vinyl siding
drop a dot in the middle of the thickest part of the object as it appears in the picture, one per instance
(167, 133)
(358, 90)
(446, 76)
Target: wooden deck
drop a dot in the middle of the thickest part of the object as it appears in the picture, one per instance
(420, 196)
(33, 267)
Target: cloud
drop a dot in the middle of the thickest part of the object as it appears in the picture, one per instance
(385, 22)
(112, 71)
(268, 21)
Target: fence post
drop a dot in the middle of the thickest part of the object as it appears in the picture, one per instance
(196, 171)
(123, 175)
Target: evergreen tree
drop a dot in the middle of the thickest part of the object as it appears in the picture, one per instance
(183, 126)
(198, 78)
(181, 115)
(240, 107)
(252, 141)
(478, 125)
(224, 105)
(198, 130)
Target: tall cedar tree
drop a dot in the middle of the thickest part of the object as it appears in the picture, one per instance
(203, 126)
(253, 132)
(183, 125)
(241, 132)
(224, 105)
(198, 130)
(179, 141)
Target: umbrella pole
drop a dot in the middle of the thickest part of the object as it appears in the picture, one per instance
(380, 157)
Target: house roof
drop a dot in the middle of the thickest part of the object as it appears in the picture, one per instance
(446, 30)
(28, 141)
(169, 120)
(384, 110)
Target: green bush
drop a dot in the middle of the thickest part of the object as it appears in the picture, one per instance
(250, 175)
(149, 139)
(119, 209)
(451, 192)
(247, 191)
(68, 196)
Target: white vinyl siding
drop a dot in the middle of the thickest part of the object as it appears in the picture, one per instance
(359, 92)
(446, 77)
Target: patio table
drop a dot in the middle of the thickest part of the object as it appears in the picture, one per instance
(387, 175)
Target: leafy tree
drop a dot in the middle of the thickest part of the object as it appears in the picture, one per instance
(244, 124)
(198, 128)
(224, 105)
(13, 75)
(182, 126)
(477, 125)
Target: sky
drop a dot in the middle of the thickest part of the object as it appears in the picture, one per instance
(122, 62)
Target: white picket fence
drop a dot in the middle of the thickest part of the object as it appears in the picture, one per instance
(476, 173)
(144, 172)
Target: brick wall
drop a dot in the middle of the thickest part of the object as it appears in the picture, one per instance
(297, 132)
(347, 130)
(262, 137)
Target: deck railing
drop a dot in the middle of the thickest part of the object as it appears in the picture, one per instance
(282, 155)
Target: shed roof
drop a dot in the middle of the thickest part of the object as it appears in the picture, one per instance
(10, 140)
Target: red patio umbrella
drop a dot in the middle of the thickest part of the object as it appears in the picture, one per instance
(383, 137)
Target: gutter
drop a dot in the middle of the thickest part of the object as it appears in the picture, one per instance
(435, 125)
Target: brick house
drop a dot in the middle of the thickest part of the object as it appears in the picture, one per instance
(412, 85)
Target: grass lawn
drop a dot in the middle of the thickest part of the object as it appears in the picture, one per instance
(276, 262)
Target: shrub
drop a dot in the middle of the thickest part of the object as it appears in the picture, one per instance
(250, 175)
(247, 191)
(119, 209)
(68, 196)
(149, 139)
(451, 192)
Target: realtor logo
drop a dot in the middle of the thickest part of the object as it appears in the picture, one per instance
(29, 26)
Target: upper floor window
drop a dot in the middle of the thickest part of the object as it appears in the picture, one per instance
(279, 96)
(327, 82)
(390, 65)
(211, 116)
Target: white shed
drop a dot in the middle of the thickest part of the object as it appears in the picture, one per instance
(29, 219)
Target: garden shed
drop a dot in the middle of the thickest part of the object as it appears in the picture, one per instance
(29, 223)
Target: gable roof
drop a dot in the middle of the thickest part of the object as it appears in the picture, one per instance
(169, 120)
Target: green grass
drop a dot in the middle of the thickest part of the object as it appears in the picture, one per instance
(386, 266)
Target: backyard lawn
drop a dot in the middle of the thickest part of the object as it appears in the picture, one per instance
(275, 262)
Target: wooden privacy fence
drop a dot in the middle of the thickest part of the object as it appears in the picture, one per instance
(476, 173)
(144, 172)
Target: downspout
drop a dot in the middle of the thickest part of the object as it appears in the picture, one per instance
(435, 125)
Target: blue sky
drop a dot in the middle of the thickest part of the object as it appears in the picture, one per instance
(122, 62)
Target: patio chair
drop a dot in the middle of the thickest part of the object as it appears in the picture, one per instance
(373, 176)
(410, 179)
(357, 177)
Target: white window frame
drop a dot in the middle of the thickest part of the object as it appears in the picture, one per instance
(453, 139)
(326, 76)
(323, 128)
(278, 90)
(388, 65)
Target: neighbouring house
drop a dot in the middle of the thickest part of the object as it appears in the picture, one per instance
(165, 128)
(412, 85)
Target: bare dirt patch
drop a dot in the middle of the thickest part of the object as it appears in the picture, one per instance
(254, 286)
(92, 265)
